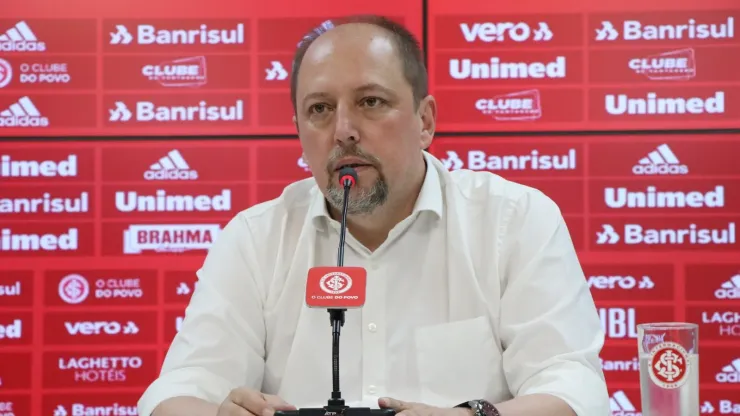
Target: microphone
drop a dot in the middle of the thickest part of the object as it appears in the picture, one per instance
(337, 289)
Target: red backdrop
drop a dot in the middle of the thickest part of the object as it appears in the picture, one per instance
(613, 110)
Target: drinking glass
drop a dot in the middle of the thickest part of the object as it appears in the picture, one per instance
(669, 368)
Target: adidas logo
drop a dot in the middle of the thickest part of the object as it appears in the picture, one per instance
(23, 114)
(661, 161)
(620, 405)
(172, 167)
(20, 38)
(730, 373)
(729, 289)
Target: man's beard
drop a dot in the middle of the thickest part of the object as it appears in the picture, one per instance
(361, 201)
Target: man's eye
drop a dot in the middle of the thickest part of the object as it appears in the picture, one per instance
(317, 109)
(373, 101)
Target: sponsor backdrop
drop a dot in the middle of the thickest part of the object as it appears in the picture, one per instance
(589, 102)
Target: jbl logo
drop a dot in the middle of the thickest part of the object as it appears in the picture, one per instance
(618, 322)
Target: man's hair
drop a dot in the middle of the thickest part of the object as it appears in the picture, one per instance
(407, 46)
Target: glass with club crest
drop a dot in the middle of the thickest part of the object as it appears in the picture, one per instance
(669, 368)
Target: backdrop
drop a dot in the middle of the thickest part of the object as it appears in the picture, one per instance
(133, 131)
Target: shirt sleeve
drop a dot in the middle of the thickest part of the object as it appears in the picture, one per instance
(550, 329)
(221, 341)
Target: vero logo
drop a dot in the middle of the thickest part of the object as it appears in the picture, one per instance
(86, 328)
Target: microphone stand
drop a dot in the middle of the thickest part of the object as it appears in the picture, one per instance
(335, 405)
(336, 316)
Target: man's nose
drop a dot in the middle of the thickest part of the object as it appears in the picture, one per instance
(346, 126)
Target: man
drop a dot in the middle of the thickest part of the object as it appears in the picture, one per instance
(475, 296)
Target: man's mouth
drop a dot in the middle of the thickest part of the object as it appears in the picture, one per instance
(351, 165)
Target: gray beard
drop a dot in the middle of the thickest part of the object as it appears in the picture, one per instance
(364, 202)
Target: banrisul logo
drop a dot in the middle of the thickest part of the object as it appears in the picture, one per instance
(202, 34)
(149, 112)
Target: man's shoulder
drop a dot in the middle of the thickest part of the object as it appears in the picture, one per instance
(495, 191)
(295, 199)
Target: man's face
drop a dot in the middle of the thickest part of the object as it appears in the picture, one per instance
(354, 106)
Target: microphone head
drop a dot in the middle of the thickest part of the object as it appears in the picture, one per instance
(347, 176)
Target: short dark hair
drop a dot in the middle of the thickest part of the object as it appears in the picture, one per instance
(407, 46)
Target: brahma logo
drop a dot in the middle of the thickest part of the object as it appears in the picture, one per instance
(184, 72)
(635, 30)
(146, 111)
(516, 106)
(678, 65)
(479, 160)
(661, 161)
(20, 38)
(502, 31)
(621, 405)
(170, 238)
(495, 69)
(171, 167)
(101, 328)
(38, 242)
(161, 202)
(150, 35)
(33, 168)
(730, 373)
(23, 113)
(620, 104)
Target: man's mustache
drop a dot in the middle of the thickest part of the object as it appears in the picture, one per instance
(341, 152)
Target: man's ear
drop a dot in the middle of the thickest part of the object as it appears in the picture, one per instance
(295, 122)
(428, 115)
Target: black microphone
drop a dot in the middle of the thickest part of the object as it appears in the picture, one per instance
(335, 405)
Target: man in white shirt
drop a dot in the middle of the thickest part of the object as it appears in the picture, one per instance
(474, 290)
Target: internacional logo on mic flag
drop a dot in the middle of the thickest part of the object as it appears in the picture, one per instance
(336, 287)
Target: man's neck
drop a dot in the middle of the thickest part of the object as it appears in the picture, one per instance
(372, 229)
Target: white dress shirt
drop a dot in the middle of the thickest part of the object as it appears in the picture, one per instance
(478, 294)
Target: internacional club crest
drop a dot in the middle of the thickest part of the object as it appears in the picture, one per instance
(668, 365)
(335, 283)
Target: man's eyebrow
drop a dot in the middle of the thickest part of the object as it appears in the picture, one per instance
(363, 88)
(374, 86)
(316, 95)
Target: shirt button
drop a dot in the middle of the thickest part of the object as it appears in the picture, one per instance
(372, 327)
(372, 389)
(374, 266)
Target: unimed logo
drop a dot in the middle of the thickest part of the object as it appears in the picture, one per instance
(12, 241)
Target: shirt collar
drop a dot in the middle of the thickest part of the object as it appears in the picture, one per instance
(430, 196)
